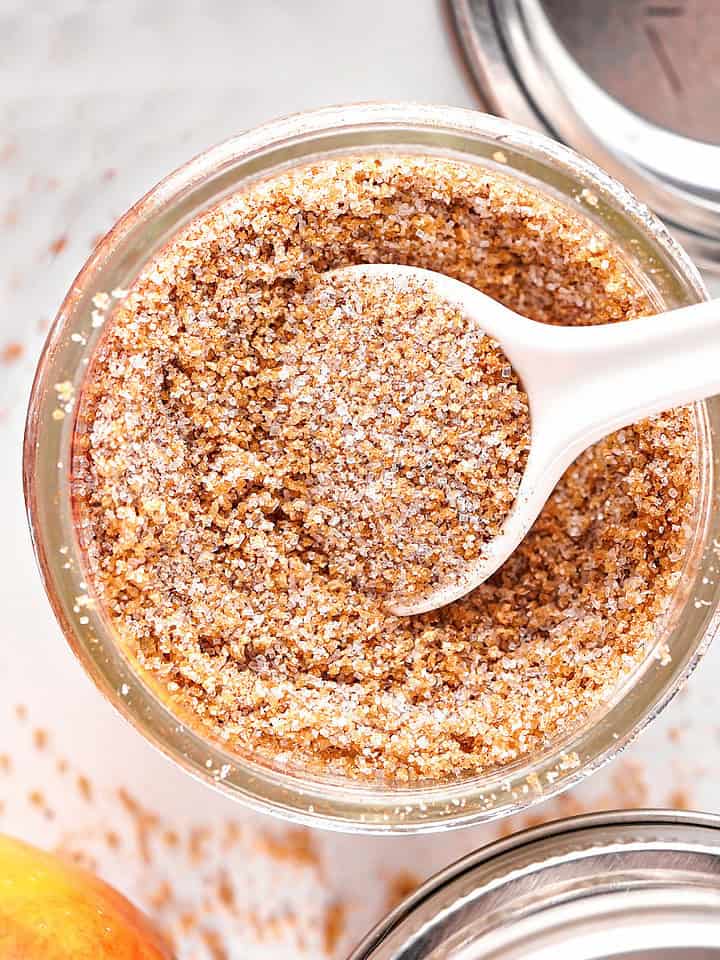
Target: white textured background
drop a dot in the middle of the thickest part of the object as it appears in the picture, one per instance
(97, 101)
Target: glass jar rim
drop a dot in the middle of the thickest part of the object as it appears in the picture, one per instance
(160, 214)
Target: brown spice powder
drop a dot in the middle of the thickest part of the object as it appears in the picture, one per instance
(226, 599)
(680, 799)
(144, 821)
(59, 244)
(334, 924)
(400, 886)
(213, 942)
(11, 352)
(40, 738)
(390, 431)
(85, 787)
(296, 845)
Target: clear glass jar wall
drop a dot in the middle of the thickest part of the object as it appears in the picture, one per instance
(661, 265)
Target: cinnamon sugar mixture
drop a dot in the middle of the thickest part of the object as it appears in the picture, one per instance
(391, 431)
(237, 427)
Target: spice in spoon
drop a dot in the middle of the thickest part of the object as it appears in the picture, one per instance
(395, 431)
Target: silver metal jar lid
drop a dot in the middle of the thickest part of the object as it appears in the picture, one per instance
(633, 85)
(630, 885)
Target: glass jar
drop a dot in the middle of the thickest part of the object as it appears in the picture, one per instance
(663, 268)
(629, 885)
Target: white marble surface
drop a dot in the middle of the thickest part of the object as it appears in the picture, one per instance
(97, 101)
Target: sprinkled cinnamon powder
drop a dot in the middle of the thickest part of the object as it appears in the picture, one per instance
(400, 886)
(171, 839)
(222, 593)
(680, 799)
(59, 244)
(214, 944)
(11, 352)
(85, 788)
(333, 926)
(196, 844)
(37, 800)
(226, 891)
(296, 845)
(112, 839)
(144, 822)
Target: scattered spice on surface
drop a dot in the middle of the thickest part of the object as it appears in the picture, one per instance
(187, 921)
(36, 798)
(234, 833)
(80, 858)
(213, 941)
(296, 845)
(59, 244)
(226, 891)
(270, 892)
(334, 925)
(171, 839)
(162, 897)
(221, 592)
(85, 787)
(11, 352)
(112, 839)
(196, 844)
(680, 799)
(399, 888)
(144, 821)
(40, 738)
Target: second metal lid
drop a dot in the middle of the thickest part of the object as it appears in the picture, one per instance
(632, 885)
(633, 85)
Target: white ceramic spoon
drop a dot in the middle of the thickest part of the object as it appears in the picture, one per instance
(582, 384)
